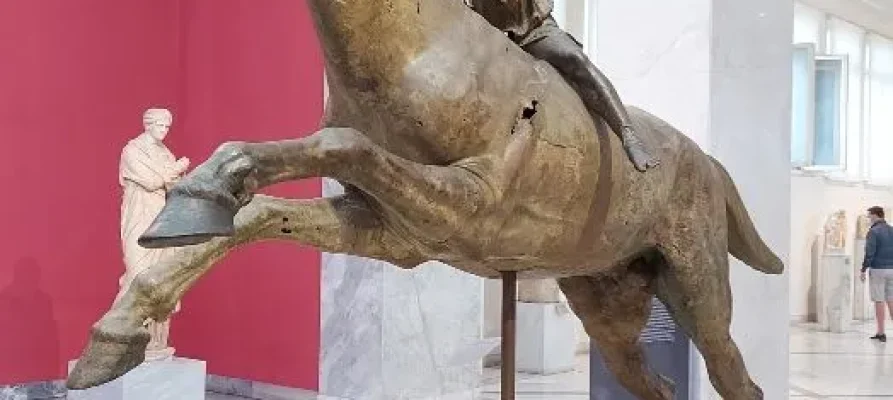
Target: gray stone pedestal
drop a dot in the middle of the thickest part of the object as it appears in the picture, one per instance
(835, 294)
(863, 308)
(174, 379)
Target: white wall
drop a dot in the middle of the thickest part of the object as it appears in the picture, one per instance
(813, 199)
(719, 70)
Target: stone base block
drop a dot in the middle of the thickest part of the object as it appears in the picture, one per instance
(835, 292)
(173, 379)
(255, 390)
(547, 341)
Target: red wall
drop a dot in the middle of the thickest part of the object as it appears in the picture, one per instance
(74, 79)
(253, 72)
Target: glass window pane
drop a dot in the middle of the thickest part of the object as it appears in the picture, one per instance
(827, 112)
(802, 105)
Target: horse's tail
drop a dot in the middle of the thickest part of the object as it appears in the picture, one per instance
(745, 242)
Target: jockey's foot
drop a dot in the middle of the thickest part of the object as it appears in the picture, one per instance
(636, 151)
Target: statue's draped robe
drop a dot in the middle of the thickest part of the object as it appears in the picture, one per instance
(145, 170)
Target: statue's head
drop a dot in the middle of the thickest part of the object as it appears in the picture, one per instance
(157, 122)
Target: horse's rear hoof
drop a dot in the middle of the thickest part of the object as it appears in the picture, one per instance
(188, 221)
(108, 356)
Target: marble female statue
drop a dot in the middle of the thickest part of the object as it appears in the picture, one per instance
(147, 170)
(862, 226)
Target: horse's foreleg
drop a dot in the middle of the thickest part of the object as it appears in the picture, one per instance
(437, 199)
(342, 224)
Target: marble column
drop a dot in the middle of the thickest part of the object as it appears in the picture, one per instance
(720, 71)
(389, 333)
(546, 332)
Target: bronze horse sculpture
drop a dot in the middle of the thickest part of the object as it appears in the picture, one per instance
(455, 145)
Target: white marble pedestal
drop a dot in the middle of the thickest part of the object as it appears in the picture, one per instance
(835, 292)
(863, 308)
(173, 379)
(546, 338)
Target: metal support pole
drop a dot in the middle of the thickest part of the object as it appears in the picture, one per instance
(509, 318)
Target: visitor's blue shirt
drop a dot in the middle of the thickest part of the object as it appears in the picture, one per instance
(879, 247)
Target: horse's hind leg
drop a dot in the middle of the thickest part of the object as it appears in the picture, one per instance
(695, 287)
(614, 309)
(340, 224)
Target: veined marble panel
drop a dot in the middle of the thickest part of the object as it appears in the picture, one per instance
(389, 333)
(351, 339)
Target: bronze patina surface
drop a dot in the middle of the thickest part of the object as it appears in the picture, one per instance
(456, 145)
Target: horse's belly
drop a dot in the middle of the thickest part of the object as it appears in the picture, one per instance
(460, 98)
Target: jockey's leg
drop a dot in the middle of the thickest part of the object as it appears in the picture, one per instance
(548, 42)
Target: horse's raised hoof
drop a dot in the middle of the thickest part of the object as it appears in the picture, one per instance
(112, 352)
(188, 221)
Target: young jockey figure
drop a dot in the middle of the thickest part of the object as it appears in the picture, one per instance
(529, 23)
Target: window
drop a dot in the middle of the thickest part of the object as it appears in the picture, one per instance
(802, 106)
(818, 115)
(842, 110)
(830, 120)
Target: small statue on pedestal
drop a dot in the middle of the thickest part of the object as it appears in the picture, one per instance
(147, 170)
(835, 232)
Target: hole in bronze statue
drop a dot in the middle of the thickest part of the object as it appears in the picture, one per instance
(530, 111)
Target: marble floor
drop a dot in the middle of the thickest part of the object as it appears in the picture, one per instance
(840, 366)
(568, 386)
(823, 366)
